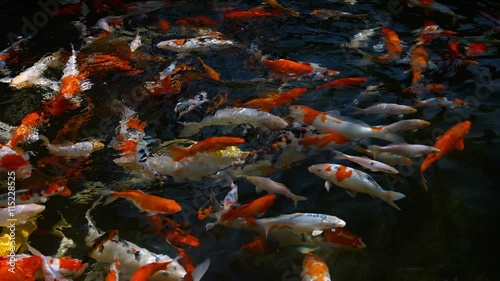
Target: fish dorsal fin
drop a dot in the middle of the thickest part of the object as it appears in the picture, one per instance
(336, 114)
(460, 144)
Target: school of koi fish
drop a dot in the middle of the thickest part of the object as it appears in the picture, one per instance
(144, 103)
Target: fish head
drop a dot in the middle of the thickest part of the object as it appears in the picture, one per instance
(97, 145)
(171, 207)
(71, 267)
(323, 170)
(332, 220)
(20, 81)
(465, 126)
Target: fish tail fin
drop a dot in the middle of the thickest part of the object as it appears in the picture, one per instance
(339, 155)
(44, 139)
(263, 226)
(424, 182)
(387, 135)
(200, 270)
(109, 196)
(375, 149)
(297, 198)
(190, 128)
(391, 196)
(177, 153)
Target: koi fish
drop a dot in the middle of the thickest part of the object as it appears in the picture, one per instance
(235, 116)
(205, 146)
(360, 39)
(440, 102)
(431, 31)
(136, 43)
(197, 22)
(343, 82)
(98, 243)
(27, 131)
(301, 222)
(409, 150)
(271, 186)
(392, 44)
(288, 67)
(12, 161)
(25, 267)
(277, 6)
(147, 203)
(354, 181)
(419, 60)
(114, 271)
(49, 273)
(67, 266)
(407, 125)
(336, 14)
(387, 108)
(387, 157)
(79, 149)
(145, 272)
(30, 196)
(343, 238)
(258, 12)
(475, 49)
(432, 6)
(268, 103)
(325, 141)
(33, 75)
(452, 139)
(186, 106)
(19, 214)
(255, 208)
(314, 268)
(372, 165)
(214, 75)
(347, 128)
(202, 43)
(259, 246)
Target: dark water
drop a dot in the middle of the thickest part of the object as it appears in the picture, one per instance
(447, 233)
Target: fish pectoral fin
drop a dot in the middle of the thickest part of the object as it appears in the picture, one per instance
(460, 144)
(317, 232)
(328, 185)
(149, 214)
(351, 193)
(307, 249)
(258, 190)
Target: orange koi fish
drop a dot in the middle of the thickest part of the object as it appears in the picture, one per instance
(343, 82)
(212, 74)
(275, 5)
(145, 272)
(258, 12)
(453, 138)
(147, 203)
(204, 213)
(259, 246)
(67, 266)
(431, 31)
(419, 60)
(268, 103)
(392, 45)
(208, 145)
(197, 22)
(25, 267)
(114, 271)
(343, 238)
(288, 67)
(255, 208)
(314, 268)
(475, 49)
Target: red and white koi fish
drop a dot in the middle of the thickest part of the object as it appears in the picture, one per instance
(452, 139)
(131, 256)
(354, 181)
(440, 102)
(271, 186)
(387, 108)
(150, 204)
(68, 267)
(110, 23)
(343, 238)
(407, 125)
(431, 31)
(235, 116)
(370, 164)
(79, 149)
(114, 271)
(25, 267)
(314, 268)
(202, 43)
(409, 150)
(11, 160)
(30, 196)
(301, 222)
(349, 129)
(21, 213)
(27, 131)
(49, 273)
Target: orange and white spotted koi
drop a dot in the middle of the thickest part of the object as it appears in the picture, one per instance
(29, 196)
(79, 149)
(354, 181)
(314, 268)
(202, 43)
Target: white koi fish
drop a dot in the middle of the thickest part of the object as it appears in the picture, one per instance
(354, 181)
(12, 161)
(301, 222)
(409, 150)
(271, 186)
(372, 165)
(33, 75)
(349, 129)
(136, 43)
(202, 43)
(387, 108)
(440, 102)
(19, 213)
(25, 196)
(235, 116)
(407, 125)
(79, 149)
